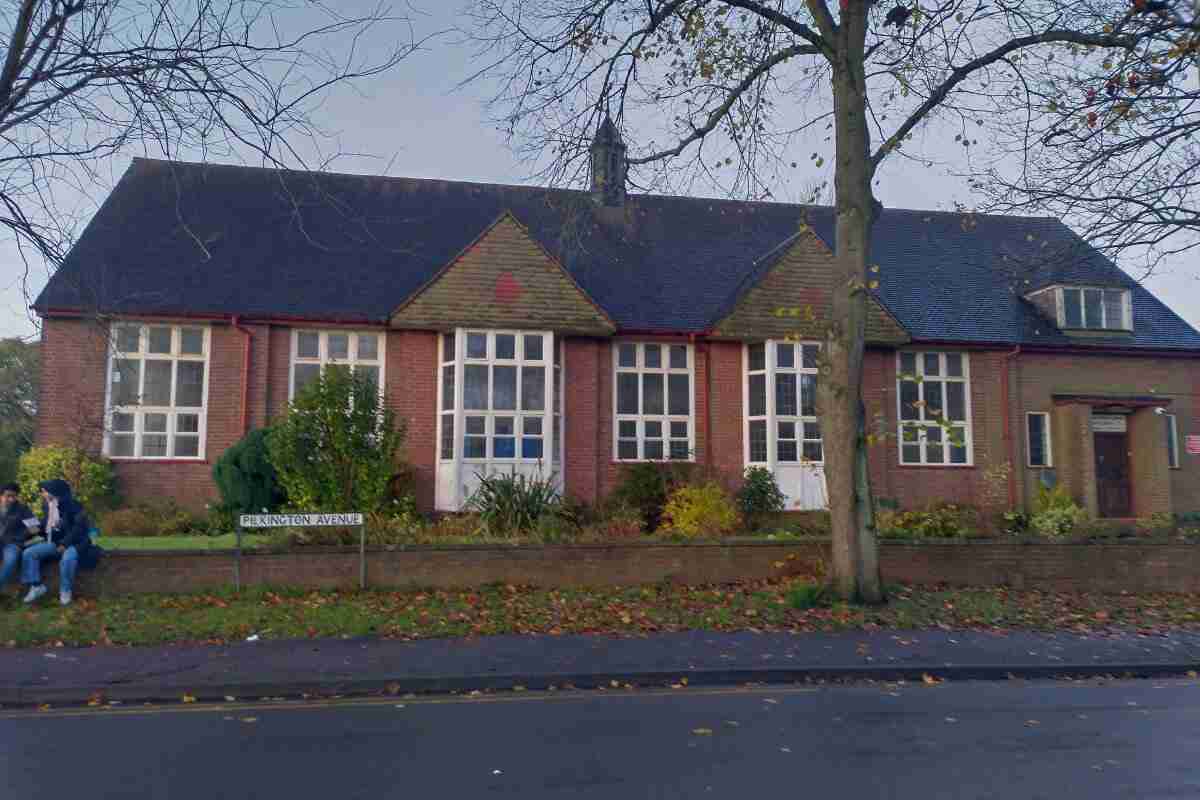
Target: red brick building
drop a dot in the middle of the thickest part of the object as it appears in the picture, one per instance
(567, 332)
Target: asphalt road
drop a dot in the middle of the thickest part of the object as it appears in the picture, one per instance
(967, 740)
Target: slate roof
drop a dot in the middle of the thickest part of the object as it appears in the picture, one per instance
(181, 238)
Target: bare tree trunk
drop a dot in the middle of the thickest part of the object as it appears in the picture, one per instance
(855, 557)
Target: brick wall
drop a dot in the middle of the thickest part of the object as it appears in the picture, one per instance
(1053, 567)
(411, 378)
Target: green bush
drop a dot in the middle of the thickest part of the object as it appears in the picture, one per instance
(704, 510)
(511, 505)
(336, 448)
(615, 523)
(552, 528)
(1158, 524)
(154, 520)
(941, 521)
(1058, 515)
(645, 488)
(810, 595)
(92, 480)
(245, 478)
(759, 495)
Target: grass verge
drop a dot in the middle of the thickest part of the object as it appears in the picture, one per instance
(220, 617)
(225, 542)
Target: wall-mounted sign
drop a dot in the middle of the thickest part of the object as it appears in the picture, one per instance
(1193, 445)
(1109, 423)
(299, 520)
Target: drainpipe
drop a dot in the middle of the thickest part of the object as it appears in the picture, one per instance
(247, 335)
(1008, 438)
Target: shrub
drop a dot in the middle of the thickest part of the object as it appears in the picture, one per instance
(455, 526)
(1157, 524)
(1057, 515)
(552, 528)
(1015, 522)
(759, 495)
(510, 505)
(941, 521)
(152, 520)
(616, 523)
(245, 478)
(699, 511)
(336, 448)
(645, 487)
(810, 595)
(92, 479)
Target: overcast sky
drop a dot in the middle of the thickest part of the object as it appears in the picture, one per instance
(413, 122)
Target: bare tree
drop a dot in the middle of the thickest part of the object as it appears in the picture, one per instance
(86, 80)
(731, 87)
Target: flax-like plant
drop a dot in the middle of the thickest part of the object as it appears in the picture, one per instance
(510, 505)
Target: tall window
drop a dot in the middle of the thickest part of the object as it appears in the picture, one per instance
(781, 403)
(157, 385)
(504, 395)
(313, 351)
(653, 401)
(934, 408)
(1099, 309)
(1037, 434)
(1172, 441)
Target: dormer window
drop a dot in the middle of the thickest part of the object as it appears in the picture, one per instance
(1089, 308)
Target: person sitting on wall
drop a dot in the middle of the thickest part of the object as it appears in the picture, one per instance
(16, 521)
(67, 530)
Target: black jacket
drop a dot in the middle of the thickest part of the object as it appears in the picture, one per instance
(12, 524)
(73, 528)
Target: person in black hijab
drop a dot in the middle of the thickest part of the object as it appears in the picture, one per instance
(67, 530)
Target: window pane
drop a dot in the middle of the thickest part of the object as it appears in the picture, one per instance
(758, 395)
(339, 346)
(786, 450)
(122, 422)
(654, 450)
(155, 423)
(627, 429)
(533, 348)
(679, 359)
(958, 452)
(956, 401)
(785, 395)
(448, 387)
(812, 430)
(476, 426)
(308, 344)
(678, 396)
(474, 447)
(679, 430)
(934, 451)
(531, 447)
(627, 449)
(531, 426)
(813, 451)
(810, 353)
(931, 363)
(126, 373)
(506, 346)
(558, 442)
(158, 340)
(370, 372)
(1037, 441)
(187, 446)
(533, 388)
(154, 445)
(127, 338)
(1091, 308)
(448, 340)
(503, 443)
(908, 364)
(1114, 308)
(187, 423)
(787, 430)
(653, 355)
(476, 345)
(934, 404)
(910, 454)
(189, 384)
(627, 393)
(305, 375)
(679, 451)
(808, 395)
(908, 400)
(158, 383)
(475, 387)
(758, 441)
(504, 392)
(368, 347)
(503, 426)
(627, 355)
(652, 429)
(121, 446)
(758, 357)
(1072, 308)
(785, 355)
(191, 341)
(447, 436)
(954, 365)
(652, 394)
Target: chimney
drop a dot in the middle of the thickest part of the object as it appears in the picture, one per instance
(608, 165)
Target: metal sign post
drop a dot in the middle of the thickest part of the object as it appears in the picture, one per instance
(237, 560)
(351, 520)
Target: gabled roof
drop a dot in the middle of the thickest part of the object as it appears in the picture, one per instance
(176, 238)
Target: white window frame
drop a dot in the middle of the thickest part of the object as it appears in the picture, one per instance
(1047, 444)
(771, 416)
(139, 411)
(455, 415)
(1061, 308)
(924, 424)
(666, 418)
(323, 359)
(1172, 424)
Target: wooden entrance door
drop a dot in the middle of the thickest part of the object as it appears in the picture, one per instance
(1112, 474)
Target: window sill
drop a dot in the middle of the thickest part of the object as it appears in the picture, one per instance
(619, 461)
(936, 466)
(151, 460)
(1039, 466)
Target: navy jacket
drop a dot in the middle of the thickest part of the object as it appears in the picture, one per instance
(12, 524)
(73, 528)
